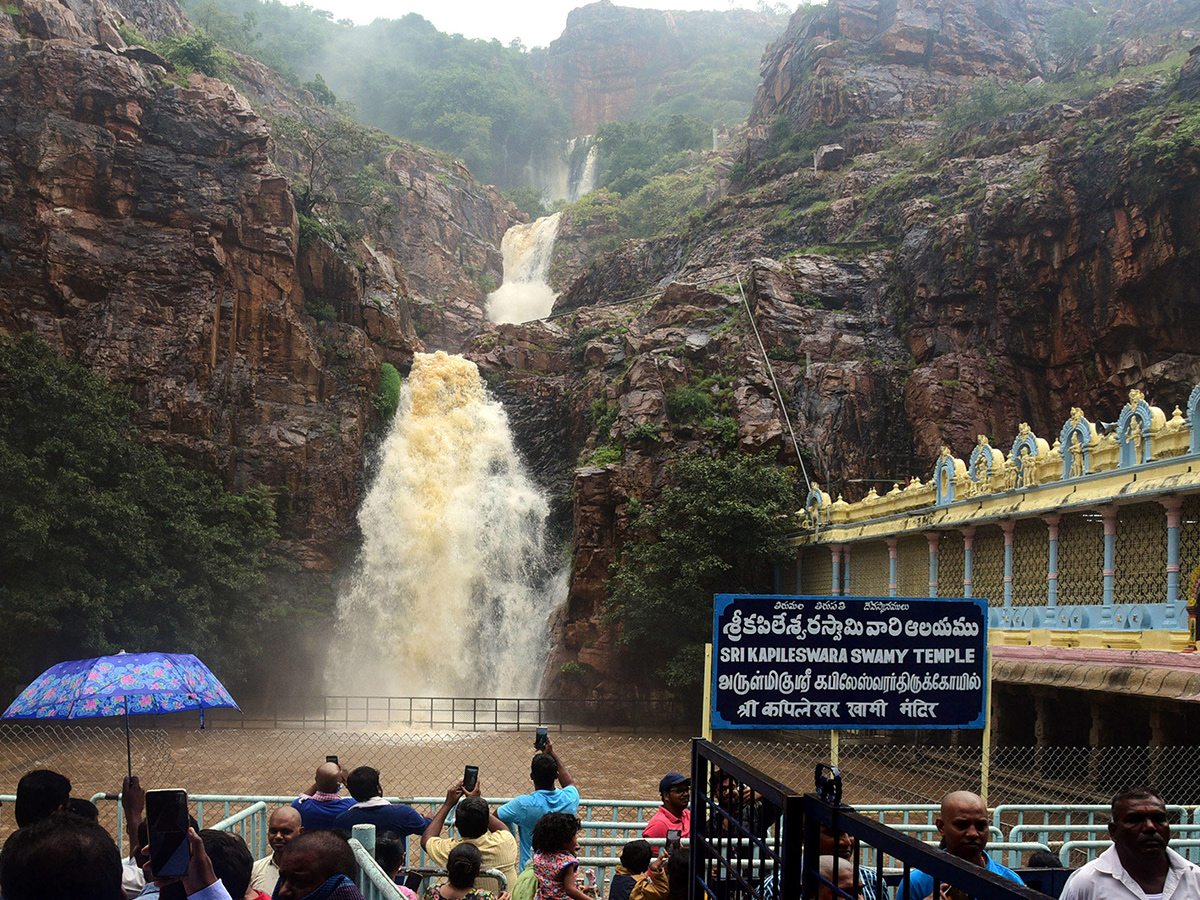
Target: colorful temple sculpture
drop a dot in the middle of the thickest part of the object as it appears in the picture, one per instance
(1091, 541)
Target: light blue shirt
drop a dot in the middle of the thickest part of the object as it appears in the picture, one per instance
(524, 812)
(921, 885)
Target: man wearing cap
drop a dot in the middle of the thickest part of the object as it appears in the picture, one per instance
(676, 791)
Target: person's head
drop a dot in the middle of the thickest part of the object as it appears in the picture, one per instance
(363, 783)
(389, 852)
(462, 866)
(282, 826)
(40, 793)
(1140, 829)
(85, 809)
(61, 857)
(963, 824)
(678, 864)
(676, 792)
(635, 856)
(310, 860)
(555, 833)
(543, 771)
(471, 817)
(326, 778)
(830, 866)
(231, 860)
(1043, 859)
(836, 843)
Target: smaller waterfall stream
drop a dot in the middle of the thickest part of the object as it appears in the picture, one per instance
(525, 294)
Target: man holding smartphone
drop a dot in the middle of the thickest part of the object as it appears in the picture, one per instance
(674, 815)
(476, 825)
(523, 812)
(323, 803)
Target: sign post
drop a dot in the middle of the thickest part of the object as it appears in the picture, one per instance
(843, 662)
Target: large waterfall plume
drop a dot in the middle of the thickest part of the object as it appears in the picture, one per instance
(455, 581)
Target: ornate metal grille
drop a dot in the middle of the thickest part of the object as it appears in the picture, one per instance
(1031, 562)
(988, 566)
(913, 577)
(951, 558)
(1141, 557)
(1189, 543)
(1080, 559)
(869, 570)
(816, 570)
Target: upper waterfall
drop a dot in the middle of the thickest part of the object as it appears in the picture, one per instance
(525, 294)
(455, 582)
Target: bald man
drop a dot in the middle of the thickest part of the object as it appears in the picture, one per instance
(845, 878)
(283, 825)
(963, 824)
(322, 803)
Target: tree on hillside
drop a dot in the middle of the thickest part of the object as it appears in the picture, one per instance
(1069, 38)
(720, 527)
(105, 543)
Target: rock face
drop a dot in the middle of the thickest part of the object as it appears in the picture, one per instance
(611, 59)
(147, 232)
(864, 60)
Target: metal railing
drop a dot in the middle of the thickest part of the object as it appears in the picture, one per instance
(1066, 814)
(1094, 848)
(373, 883)
(251, 825)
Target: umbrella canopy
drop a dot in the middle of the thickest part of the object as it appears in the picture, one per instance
(128, 683)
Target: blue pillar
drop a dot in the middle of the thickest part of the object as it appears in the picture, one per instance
(1052, 573)
(1110, 561)
(892, 566)
(1008, 528)
(1173, 506)
(933, 537)
(836, 551)
(968, 561)
(846, 570)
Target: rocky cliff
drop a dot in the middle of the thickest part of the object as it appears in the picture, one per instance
(149, 230)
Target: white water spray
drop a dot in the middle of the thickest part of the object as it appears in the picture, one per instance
(455, 583)
(524, 294)
(583, 182)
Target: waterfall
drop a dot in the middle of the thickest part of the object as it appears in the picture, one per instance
(455, 583)
(583, 181)
(564, 176)
(524, 295)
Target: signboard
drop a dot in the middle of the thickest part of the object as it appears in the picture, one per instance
(848, 662)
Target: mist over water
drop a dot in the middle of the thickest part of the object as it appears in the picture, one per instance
(455, 582)
(525, 295)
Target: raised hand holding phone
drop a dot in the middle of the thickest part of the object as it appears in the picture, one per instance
(167, 829)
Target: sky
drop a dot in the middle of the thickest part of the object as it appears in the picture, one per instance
(535, 22)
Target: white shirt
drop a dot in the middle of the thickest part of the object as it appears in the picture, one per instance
(1104, 878)
(264, 874)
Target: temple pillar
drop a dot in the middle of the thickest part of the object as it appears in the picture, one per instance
(1173, 505)
(846, 570)
(934, 539)
(1109, 514)
(893, 563)
(1052, 573)
(968, 561)
(836, 551)
(1008, 527)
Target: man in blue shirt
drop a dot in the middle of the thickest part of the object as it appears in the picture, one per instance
(524, 811)
(323, 803)
(371, 809)
(963, 824)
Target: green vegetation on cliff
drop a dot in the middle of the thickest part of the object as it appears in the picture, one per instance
(719, 528)
(108, 544)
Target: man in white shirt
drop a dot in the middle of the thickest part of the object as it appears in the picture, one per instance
(282, 826)
(1139, 865)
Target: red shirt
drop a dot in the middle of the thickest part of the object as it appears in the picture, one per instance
(663, 820)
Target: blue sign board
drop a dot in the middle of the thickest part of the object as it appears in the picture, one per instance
(848, 662)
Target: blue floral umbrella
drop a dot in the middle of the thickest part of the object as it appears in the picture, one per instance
(125, 684)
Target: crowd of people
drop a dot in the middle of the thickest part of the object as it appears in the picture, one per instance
(61, 852)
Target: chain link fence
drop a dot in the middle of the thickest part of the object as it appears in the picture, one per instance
(876, 768)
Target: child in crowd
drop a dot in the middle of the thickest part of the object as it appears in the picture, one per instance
(554, 860)
(635, 860)
(462, 868)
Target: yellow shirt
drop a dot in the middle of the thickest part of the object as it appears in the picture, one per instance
(498, 849)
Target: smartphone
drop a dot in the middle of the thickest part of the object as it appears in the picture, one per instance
(470, 778)
(167, 827)
(539, 742)
(672, 843)
(332, 759)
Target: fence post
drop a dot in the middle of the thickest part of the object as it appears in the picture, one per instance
(365, 835)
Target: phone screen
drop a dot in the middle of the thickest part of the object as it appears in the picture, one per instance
(470, 777)
(539, 742)
(332, 759)
(672, 842)
(167, 827)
